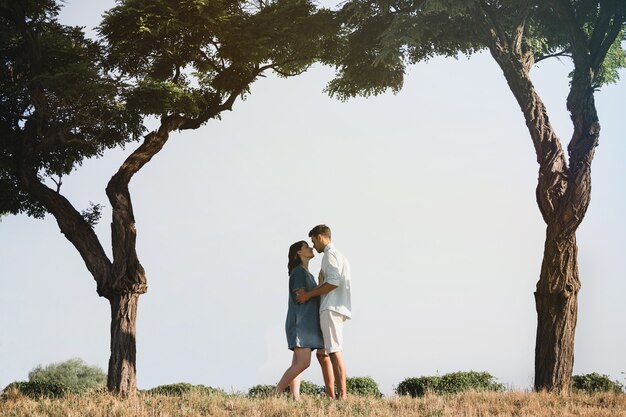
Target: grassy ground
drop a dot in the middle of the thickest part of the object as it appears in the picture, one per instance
(473, 404)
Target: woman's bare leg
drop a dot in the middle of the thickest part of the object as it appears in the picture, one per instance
(301, 361)
(327, 372)
(294, 385)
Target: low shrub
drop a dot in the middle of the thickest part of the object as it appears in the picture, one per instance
(74, 374)
(309, 388)
(306, 388)
(451, 383)
(261, 391)
(359, 386)
(362, 386)
(594, 382)
(418, 387)
(181, 388)
(38, 389)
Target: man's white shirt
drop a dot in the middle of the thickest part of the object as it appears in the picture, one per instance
(336, 272)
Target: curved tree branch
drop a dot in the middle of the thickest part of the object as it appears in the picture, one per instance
(564, 53)
(599, 52)
(70, 221)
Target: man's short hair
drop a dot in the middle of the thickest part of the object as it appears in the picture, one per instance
(320, 229)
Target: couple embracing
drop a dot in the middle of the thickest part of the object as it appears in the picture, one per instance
(316, 313)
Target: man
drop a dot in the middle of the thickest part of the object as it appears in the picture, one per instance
(335, 307)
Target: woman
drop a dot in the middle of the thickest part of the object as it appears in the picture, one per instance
(303, 320)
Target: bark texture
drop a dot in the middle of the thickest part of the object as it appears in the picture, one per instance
(556, 300)
(122, 375)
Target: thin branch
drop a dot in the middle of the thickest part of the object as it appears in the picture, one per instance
(291, 74)
(565, 53)
(58, 183)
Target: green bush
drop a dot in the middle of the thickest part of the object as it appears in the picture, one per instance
(174, 390)
(74, 374)
(261, 391)
(362, 386)
(306, 388)
(449, 384)
(418, 387)
(38, 389)
(309, 388)
(595, 382)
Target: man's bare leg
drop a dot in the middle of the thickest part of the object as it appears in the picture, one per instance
(327, 372)
(339, 369)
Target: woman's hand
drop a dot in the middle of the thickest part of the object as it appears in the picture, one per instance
(320, 277)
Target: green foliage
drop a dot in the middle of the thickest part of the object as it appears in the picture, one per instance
(92, 214)
(362, 386)
(59, 105)
(306, 388)
(380, 37)
(594, 382)
(615, 61)
(183, 388)
(38, 389)
(74, 374)
(261, 391)
(309, 388)
(187, 56)
(418, 387)
(451, 383)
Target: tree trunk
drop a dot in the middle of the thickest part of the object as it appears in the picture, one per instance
(122, 376)
(562, 197)
(556, 300)
(127, 280)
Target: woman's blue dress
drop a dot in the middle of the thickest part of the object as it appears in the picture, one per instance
(303, 320)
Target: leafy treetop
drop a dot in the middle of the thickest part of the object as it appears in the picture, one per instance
(186, 57)
(383, 36)
(59, 105)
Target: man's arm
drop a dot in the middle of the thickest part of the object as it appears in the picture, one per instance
(303, 296)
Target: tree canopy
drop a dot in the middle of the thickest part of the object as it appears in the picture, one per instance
(382, 37)
(59, 105)
(188, 57)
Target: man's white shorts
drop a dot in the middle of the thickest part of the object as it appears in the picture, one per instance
(331, 323)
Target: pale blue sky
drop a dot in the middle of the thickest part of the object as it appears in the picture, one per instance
(430, 195)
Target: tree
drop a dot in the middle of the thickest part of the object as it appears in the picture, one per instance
(382, 36)
(69, 98)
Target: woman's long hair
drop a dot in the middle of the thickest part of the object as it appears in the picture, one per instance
(294, 259)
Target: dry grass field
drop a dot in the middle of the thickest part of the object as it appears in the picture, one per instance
(471, 404)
